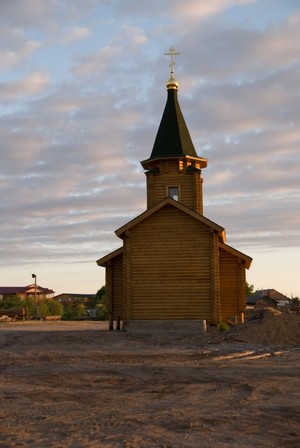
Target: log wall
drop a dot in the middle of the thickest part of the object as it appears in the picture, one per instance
(170, 267)
(117, 287)
(172, 174)
(233, 286)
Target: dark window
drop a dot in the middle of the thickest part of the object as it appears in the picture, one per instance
(174, 193)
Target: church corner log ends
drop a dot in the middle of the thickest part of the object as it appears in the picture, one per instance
(174, 263)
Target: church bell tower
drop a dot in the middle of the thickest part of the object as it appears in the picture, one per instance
(174, 168)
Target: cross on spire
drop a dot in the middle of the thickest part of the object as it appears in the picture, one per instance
(172, 53)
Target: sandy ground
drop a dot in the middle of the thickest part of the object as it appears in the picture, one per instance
(77, 385)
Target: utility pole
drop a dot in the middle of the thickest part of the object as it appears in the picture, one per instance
(35, 297)
(34, 276)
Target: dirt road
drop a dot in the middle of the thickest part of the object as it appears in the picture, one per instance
(77, 385)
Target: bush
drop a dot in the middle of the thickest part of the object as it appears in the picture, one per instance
(223, 326)
(74, 313)
(55, 308)
(30, 307)
(43, 309)
(13, 301)
(102, 313)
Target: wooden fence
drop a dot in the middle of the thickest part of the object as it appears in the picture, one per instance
(14, 313)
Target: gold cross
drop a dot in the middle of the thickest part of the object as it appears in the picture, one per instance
(172, 53)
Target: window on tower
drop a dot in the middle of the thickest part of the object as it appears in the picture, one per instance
(174, 193)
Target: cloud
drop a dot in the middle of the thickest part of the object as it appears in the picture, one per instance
(43, 16)
(189, 11)
(112, 56)
(238, 52)
(194, 9)
(72, 34)
(33, 84)
(15, 48)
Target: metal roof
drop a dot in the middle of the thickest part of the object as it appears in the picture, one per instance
(173, 138)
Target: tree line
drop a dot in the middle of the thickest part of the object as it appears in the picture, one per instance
(68, 311)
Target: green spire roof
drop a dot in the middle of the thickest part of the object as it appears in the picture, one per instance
(173, 138)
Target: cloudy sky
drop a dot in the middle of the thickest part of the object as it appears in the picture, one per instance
(82, 91)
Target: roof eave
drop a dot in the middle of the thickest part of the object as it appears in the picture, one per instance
(102, 261)
(169, 201)
(237, 253)
(149, 163)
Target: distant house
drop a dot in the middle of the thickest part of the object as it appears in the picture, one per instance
(73, 298)
(26, 292)
(267, 297)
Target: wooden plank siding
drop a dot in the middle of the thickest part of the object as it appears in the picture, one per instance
(171, 269)
(232, 281)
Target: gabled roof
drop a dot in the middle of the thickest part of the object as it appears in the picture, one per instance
(74, 295)
(237, 253)
(40, 289)
(12, 289)
(270, 293)
(24, 289)
(102, 261)
(165, 202)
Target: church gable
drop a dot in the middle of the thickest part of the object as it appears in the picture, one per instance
(170, 202)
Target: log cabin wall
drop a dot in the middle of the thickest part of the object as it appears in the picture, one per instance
(242, 291)
(175, 173)
(127, 275)
(233, 290)
(197, 191)
(108, 292)
(170, 267)
(117, 287)
(215, 279)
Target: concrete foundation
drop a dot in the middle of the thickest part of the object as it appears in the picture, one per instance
(166, 327)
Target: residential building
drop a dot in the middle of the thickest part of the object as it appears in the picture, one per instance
(27, 292)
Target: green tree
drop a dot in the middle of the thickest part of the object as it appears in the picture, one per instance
(43, 309)
(102, 312)
(249, 289)
(100, 297)
(55, 308)
(30, 307)
(100, 304)
(13, 301)
(72, 312)
(80, 310)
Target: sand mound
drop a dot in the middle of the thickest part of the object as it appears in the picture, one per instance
(268, 327)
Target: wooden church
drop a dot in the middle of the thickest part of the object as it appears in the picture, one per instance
(174, 263)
